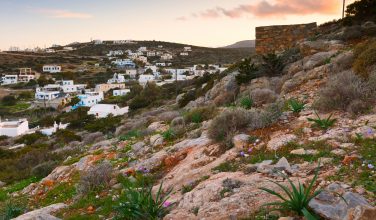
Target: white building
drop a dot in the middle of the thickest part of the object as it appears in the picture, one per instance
(117, 78)
(68, 48)
(142, 49)
(161, 64)
(51, 130)
(142, 59)
(132, 73)
(120, 92)
(68, 86)
(26, 74)
(160, 46)
(9, 79)
(14, 128)
(48, 92)
(124, 63)
(115, 53)
(184, 54)
(89, 99)
(152, 67)
(166, 56)
(143, 79)
(104, 110)
(97, 42)
(50, 51)
(187, 49)
(51, 69)
(151, 54)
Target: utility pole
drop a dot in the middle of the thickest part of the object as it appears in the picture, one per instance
(343, 9)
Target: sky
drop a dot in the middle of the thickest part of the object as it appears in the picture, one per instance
(212, 23)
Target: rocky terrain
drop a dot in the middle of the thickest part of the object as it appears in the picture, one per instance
(214, 179)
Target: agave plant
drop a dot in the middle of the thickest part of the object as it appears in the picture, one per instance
(296, 106)
(296, 198)
(139, 203)
(323, 123)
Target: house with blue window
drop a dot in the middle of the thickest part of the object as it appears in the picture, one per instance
(89, 99)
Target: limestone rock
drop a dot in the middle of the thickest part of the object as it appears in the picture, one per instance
(156, 140)
(302, 151)
(317, 59)
(283, 164)
(43, 213)
(279, 141)
(361, 213)
(158, 126)
(240, 141)
(338, 152)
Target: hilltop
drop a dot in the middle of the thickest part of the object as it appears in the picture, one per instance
(242, 44)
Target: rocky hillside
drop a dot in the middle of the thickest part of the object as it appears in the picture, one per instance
(305, 117)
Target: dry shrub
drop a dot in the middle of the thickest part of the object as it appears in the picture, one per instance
(94, 178)
(263, 96)
(228, 123)
(344, 91)
(365, 58)
(168, 116)
(198, 115)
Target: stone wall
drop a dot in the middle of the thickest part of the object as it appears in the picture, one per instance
(271, 39)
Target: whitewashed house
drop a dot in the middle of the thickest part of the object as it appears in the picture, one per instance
(117, 78)
(120, 92)
(115, 53)
(151, 54)
(184, 54)
(48, 92)
(187, 49)
(160, 46)
(166, 56)
(51, 69)
(14, 128)
(26, 74)
(68, 48)
(104, 110)
(51, 130)
(143, 49)
(132, 73)
(89, 99)
(9, 79)
(151, 67)
(105, 87)
(161, 64)
(50, 51)
(97, 42)
(124, 63)
(144, 79)
(68, 86)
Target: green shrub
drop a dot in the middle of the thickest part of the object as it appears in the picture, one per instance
(247, 71)
(11, 211)
(200, 114)
(323, 123)
(131, 134)
(246, 102)
(140, 203)
(187, 97)
(66, 136)
(297, 198)
(296, 106)
(169, 135)
(8, 100)
(104, 125)
(30, 139)
(272, 65)
(365, 58)
(44, 169)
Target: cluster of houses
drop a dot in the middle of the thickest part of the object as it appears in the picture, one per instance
(24, 75)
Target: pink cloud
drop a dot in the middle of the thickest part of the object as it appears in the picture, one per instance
(277, 8)
(59, 13)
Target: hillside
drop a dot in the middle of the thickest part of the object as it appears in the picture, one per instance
(242, 44)
(282, 137)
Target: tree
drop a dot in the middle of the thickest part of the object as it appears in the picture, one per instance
(272, 65)
(362, 9)
(9, 100)
(247, 71)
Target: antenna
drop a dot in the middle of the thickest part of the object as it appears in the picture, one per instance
(343, 9)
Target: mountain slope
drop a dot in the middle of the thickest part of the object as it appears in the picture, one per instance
(242, 44)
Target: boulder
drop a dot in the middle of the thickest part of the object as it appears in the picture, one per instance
(361, 213)
(311, 47)
(329, 205)
(156, 140)
(224, 91)
(278, 141)
(158, 126)
(317, 59)
(240, 141)
(283, 164)
(302, 151)
(43, 213)
(342, 62)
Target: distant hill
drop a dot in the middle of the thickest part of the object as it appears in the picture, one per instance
(242, 44)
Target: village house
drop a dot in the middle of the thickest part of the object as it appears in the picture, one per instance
(160, 46)
(184, 54)
(142, 59)
(9, 79)
(166, 56)
(89, 99)
(126, 63)
(115, 53)
(117, 78)
(51, 69)
(97, 42)
(104, 110)
(161, 64)
(106, 87)
(14, 128)
(68, 86)
(48, 50)
(51, 130)
(151, 67)
(151, 54)
(48, 92)
(187, 49)
(144, 79)
(120, 92)
(143, 49)
(26, 74)
(132, 73)
(118, 42)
